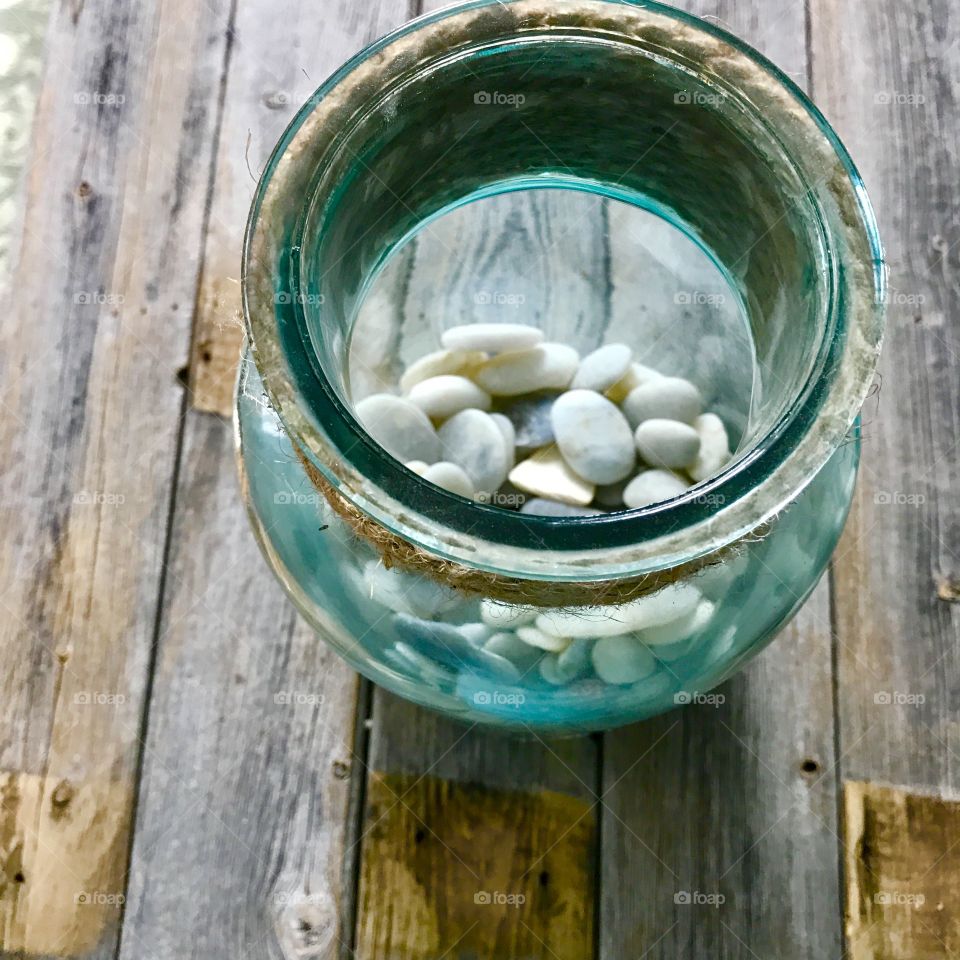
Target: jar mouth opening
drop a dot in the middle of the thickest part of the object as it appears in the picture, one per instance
(800, 435)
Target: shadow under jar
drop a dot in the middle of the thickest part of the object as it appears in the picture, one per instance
(626, 172)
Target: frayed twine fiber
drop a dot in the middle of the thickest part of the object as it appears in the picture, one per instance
(400, 553)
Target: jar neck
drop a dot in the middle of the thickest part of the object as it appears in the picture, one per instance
(730, 149)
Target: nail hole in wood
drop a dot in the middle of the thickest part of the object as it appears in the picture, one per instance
(183, 376)
(544, 878)
(84, 189)
(18, 877)
(420, 836)
(810, 766)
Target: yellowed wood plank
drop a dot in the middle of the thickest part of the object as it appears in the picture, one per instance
(94, 330)
(902, 873)
(470, 871)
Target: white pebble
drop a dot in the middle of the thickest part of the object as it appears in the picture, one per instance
(443, 396)
(610, 495)
(681, 628)
(667, 443)
(417, 466)
(636, 374)
(670, 603)
(493, 337)
(543, 641)
(400, 427)
(472, 440)
(509, 437)
(450, 477)
(553, 508)
(601, 369)
(496, 614)
(593, 436)
(550, 366)
(622, 660)
(406, 592)
(714, 447)
(546, 474)
(652, 486)
(438, 363)
(664, 398)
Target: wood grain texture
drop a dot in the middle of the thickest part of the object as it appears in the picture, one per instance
(93, 333)
(467, 870)
(244, 815)
(275, 68)
(725, 817)
(888, 77)
(902, 892)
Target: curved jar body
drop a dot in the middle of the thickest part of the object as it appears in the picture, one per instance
(736, 248)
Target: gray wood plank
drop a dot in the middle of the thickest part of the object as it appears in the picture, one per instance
(889, 79)
(530, 258)
(245, 801)
(724, 818)
(93, 332)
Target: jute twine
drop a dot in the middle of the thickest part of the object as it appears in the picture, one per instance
(405, 556)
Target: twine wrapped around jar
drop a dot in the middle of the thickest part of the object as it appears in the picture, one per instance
(395, 551)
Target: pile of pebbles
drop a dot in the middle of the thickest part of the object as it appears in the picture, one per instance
(498, 415)
(501, 416)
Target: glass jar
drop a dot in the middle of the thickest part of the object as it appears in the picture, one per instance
(621, 106)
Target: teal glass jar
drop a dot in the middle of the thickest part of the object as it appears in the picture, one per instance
(631, 173)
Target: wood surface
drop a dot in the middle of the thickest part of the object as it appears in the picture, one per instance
(902, 862)
(724, 817)
(151, 668)
(94, 330)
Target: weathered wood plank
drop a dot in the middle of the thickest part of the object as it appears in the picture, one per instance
(724, 817)
(537, 259)
(93, 332)
(901, 898)
(264, 92)
(889, 79)
(245, 799)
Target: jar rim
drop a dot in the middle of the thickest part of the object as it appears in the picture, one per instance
(752, 488)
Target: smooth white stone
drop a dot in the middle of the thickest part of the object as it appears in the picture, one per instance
(510, 646)
(601, 369)
(438, 363)
(476, 634)
(559, 669)
(636, 374)
(667, 443)
(450, 477)
(670, 603)
(663, 398)
(509, 437)
(547, 475)
(496, 614)
(714, 447)
(443, 396)
(622, 660)
(680, 629)
(492, 337)
(593, 436)
(553, 508)
(407, 593)
(472, 440)
(550, 366)
(417, 466)
(653, 486)
(542, 641)
(400, 427)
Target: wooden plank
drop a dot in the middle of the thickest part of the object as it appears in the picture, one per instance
(265, 91)
(244, 819)
(537, 258)
(724, 817)
(445, 858)
(94, 331)
(902, 894)
(889, 79)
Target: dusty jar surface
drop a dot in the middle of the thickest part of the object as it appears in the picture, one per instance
(609, 173)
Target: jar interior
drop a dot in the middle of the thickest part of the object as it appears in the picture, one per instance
(432, 209)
